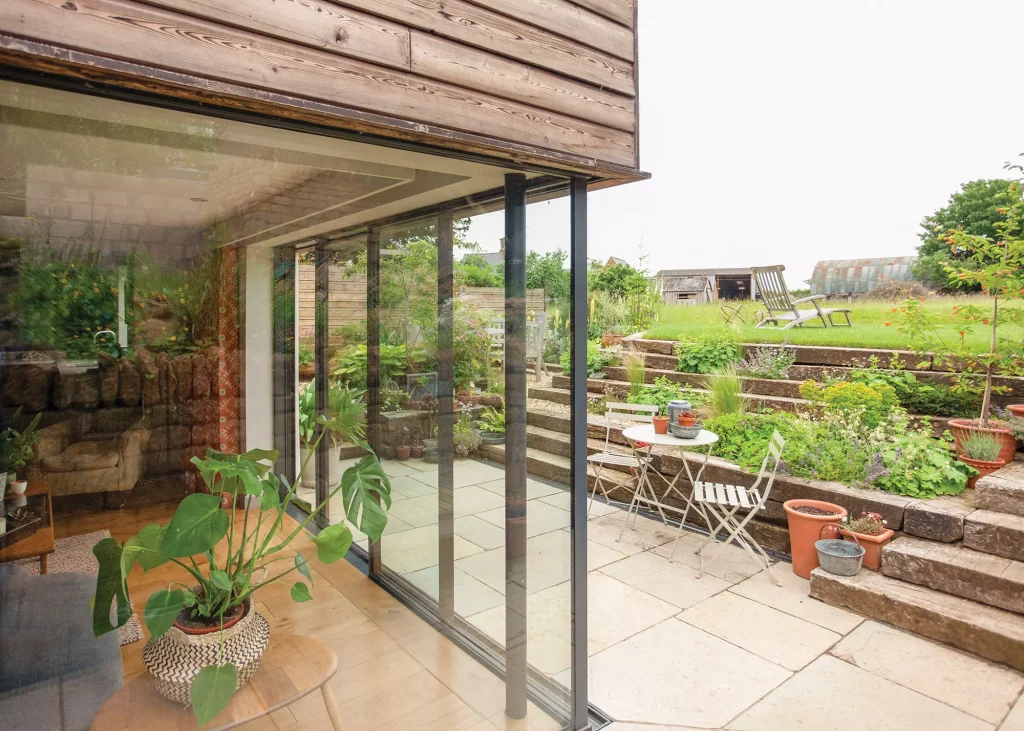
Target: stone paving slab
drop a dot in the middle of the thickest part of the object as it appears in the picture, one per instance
(982, 689)
(832, 694)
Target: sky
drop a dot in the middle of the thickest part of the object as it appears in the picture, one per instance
(793, 131)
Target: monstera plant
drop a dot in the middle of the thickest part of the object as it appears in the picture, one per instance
(228, 558)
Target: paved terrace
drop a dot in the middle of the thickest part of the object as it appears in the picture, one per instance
(672, 652)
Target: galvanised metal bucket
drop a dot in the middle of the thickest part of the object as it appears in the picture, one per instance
(840, 557)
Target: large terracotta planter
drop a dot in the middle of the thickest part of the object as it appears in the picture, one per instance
(804, 530)
(872, 546)
(983, 467)
(962, 427)
(1017, 410)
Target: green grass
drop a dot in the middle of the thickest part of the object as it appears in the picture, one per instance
(868, 331)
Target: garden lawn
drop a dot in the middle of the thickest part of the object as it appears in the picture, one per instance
(869, 326)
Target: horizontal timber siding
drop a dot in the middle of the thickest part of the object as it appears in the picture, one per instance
(553, 77)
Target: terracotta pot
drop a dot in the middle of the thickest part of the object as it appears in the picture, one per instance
(872, 546)
(686, 420)
(307, 372)
(416, 452)
(805, 529)
(661, 425)
(1017, 410)
(983, 467)
(962, 427)
(402, 453)
(610, 339)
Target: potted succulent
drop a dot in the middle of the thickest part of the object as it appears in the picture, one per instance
(17, 449)
(871, 534)
(981, 450)
(686, 418)
(661, 422)
(207, 638)
(492, 426)
(807, 519)
(348, 415)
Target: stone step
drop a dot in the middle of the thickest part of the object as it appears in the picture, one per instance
(997, 533)
(552, 420)
(554, 395)
(1002, 491)
(763, 386)
(546, 440)
(555, 468)
(958, 571)
(991, 633)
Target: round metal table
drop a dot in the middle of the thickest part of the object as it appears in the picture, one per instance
(644, 436)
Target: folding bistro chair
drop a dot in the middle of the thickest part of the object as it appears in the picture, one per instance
(609, 458)
(723, 503)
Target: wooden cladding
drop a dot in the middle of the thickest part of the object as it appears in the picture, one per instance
(546, 74)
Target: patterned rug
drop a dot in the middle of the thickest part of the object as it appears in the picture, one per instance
(74, 554)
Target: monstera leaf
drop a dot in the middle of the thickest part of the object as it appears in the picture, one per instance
(212, 689)
(197, 526)
(362, 485)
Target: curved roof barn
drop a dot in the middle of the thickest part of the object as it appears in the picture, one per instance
(856, 276)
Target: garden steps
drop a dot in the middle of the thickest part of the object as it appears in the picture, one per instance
(999, 534)
(760, 386)
(957, 570)
(991, 633)
(551, 466)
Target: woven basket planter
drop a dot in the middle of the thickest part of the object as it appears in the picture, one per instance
(175, 658)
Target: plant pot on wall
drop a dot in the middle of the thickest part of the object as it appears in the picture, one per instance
(806, 519)
(962, 427)
(872, 546)
(983, 467)
(1017, 410)
(333, 463)
(175, 658)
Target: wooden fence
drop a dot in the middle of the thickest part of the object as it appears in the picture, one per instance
(347, 298)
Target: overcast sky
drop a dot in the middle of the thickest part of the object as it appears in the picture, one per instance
(797, 130)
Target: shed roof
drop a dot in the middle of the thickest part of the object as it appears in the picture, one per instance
(704, 272)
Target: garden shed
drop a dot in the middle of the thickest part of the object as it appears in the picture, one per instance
(858, 276)
(693, 286)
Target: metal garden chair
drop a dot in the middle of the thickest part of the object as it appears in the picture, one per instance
(781, 308)
(639, 413)
(723, 504)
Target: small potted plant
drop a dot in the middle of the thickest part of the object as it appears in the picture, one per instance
(403, 450)
(686, 418)
(17, 449)
(980, 450)
(465, 437)
(492, 426)
(661, 422)
(307, 363)
(871, 533)
(416, 451)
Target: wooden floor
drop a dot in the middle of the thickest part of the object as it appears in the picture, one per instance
(396, 672)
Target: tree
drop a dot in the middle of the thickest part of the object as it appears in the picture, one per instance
(619, 280)
(476, 271)
(548, 271)
(974, 210)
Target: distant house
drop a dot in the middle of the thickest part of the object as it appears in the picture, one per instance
(696, 286)
(857, 276)
(614, 261)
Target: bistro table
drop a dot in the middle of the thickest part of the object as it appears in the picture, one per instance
(644, 436)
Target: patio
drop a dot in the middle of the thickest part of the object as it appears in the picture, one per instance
(670, 651)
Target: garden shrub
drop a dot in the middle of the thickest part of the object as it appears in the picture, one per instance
(608, 314)
(743, 438)
(662, 391)
(916, 465)
(923, 397)
(873, 402)
(709, 353)
(768, 361)
(597, 358)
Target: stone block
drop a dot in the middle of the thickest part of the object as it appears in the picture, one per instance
(181, 368)
(199, 412)
(29, 385)
(1002, 491)
(202, 377)
(993, 634)
(129, 386)
(166, 378)
(941, 519)
(107, 379)
(959, 571)
(146, 365)
(997, 533)
(205, 434)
